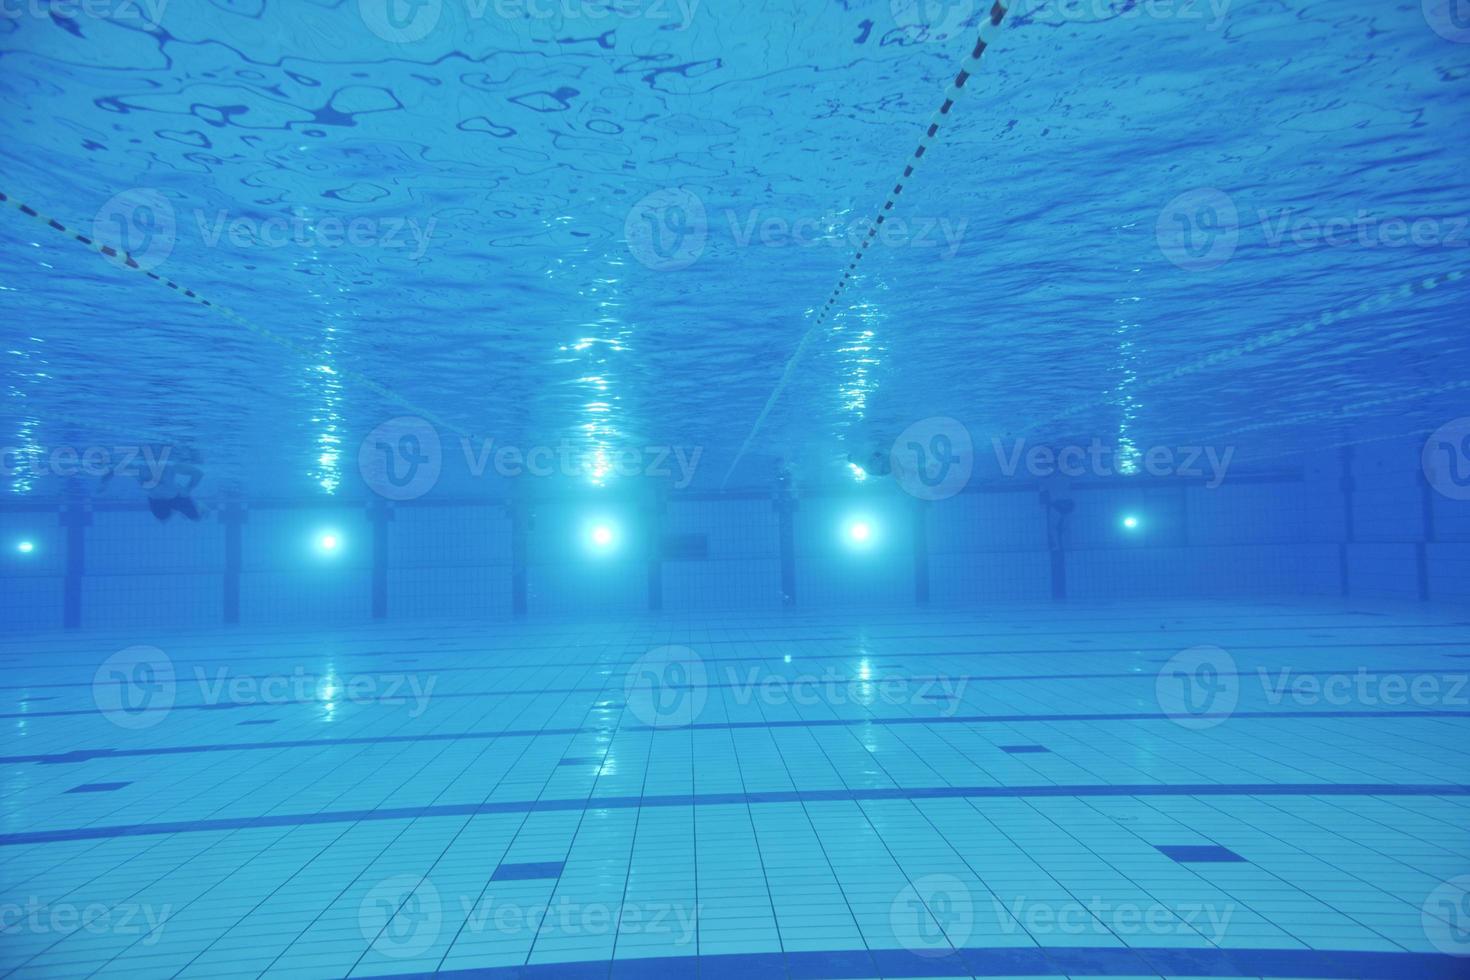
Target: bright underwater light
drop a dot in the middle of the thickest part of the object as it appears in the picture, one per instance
(859, 532)
(602, 536)
(1131, 522)
(328, 542)
(25, 547)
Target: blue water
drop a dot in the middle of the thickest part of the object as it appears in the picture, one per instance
(1032, 286)
(814, 489)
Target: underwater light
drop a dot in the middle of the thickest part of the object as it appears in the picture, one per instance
(860, 532)
(1131, 522)
(25, 547)
(602, 536)
(328, 542)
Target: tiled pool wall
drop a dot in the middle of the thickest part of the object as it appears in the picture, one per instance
(1359, 523)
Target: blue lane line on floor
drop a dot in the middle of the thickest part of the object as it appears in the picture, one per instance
(723, 799)
(744, 684)
(1026, 961)
(628, 659)
(85, 755)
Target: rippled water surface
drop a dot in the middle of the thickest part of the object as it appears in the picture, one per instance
(614, 226)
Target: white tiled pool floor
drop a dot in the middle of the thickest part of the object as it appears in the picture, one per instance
(1159, 790)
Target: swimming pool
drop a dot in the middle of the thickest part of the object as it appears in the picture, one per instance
(677, 488)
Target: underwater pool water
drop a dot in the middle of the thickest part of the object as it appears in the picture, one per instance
(678, 488)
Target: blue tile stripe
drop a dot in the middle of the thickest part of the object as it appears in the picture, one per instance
(1207, 853)
(724, 799)
(1091, 653)
(1030, 961)
(83, 755)
(528, 871)
(710, 686)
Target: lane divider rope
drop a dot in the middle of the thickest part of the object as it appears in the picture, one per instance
(1271, 338)
(122, 259)
(988, 30)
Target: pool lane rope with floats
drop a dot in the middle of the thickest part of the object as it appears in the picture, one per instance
(123, 260)
(1373, 303)
(988, 29)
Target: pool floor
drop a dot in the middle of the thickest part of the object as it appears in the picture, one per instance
(1162, 789)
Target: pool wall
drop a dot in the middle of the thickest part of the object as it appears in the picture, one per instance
(1365, 522)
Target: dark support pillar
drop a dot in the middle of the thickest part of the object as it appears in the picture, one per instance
(1349, 527)
(1421, 550)
(75, 517)
(921, 552)
(381, 514)
(785, 507)
(655, 554)
(233, 518)
(1184, 515)
(1054, 544)
(520, 527)
(1058, 573)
